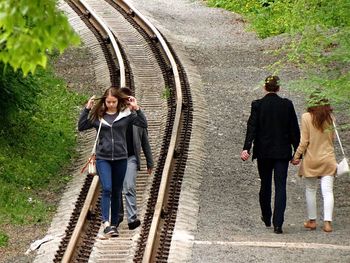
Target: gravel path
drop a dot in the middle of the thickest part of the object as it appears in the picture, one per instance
(231, 64)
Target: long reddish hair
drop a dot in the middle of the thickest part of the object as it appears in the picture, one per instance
(321, 112)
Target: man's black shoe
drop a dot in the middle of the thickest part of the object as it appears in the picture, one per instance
(266, 221)
(278, 230)
(134, 224)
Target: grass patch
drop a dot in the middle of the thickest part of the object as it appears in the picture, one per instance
(3, 239)
(37, 140)
(318, 31)
(22, 207)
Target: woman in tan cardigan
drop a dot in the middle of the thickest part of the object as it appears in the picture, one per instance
(318, 161)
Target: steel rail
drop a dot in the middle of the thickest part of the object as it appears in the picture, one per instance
(90, 198)
(166, 173)
(111, 38)
(149, 250)
(94, 188)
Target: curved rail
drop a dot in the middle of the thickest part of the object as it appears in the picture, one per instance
(148, 254)
(90, 198)
(169, 161)
(105, 28)
(93, 193)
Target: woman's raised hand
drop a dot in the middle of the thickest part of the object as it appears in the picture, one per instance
(90, 102)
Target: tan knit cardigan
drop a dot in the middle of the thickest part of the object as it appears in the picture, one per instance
(317, 150)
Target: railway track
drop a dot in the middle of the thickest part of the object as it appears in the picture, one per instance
(139, 57)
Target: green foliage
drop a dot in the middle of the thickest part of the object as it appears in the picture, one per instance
(21, 205)
(166, 93)
(269, 17)
(319, 31)
(3, 239)
(30, 30)
(16, 91)
(242, 7)
(40, 138)
(37, 138)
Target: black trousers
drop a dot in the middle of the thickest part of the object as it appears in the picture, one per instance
(279, 168)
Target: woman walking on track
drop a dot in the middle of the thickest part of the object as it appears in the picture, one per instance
(273, 129)
(115, 111)
(318, 160)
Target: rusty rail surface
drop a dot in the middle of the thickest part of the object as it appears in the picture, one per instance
(148, 27)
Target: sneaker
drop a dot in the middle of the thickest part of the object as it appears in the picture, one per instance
(115, 233)
(134, 224)
(111, 231)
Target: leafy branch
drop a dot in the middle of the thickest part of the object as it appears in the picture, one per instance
(30, 31)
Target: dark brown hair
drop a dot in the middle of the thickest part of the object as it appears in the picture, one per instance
(100, 108)
(321, 112)
(126, 91)
(272, 83)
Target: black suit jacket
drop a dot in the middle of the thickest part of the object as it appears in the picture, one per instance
(273, 128)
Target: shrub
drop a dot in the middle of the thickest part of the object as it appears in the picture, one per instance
(319, 43)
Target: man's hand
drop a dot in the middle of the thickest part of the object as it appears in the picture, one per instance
(133, 103)
(245, 155)
(149, 171)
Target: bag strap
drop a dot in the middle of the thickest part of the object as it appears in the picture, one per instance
(87, 163)
(336, 132)
(98, 133)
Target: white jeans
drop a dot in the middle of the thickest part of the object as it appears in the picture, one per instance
(327, 193)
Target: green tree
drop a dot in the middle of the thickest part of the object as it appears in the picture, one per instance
(30, 30)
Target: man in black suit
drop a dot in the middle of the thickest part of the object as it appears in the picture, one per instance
(273, 129)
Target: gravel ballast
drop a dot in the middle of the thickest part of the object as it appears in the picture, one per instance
(232, 63)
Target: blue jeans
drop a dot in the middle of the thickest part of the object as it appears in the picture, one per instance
(279, 167)
(112, 175)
